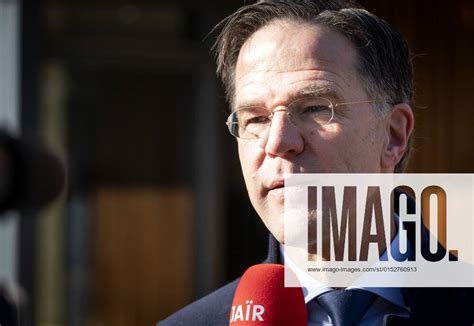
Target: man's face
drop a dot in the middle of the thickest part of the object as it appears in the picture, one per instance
(276, 64)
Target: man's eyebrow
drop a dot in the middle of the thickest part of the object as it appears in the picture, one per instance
(318, 90)
(325, 90)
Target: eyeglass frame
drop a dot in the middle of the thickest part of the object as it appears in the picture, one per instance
(270, 116)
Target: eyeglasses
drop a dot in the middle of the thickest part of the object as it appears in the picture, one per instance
(253, 122)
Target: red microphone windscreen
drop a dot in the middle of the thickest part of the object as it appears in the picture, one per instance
(262, 299)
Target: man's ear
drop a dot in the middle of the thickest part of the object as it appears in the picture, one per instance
(399, 124)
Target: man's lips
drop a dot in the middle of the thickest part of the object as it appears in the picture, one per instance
(276, 186)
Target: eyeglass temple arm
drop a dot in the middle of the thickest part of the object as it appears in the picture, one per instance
(359, 102)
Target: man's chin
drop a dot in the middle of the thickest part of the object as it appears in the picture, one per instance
(291, 236)
(279, 234)
(295, 231)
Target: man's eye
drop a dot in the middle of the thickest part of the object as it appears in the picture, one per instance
(259, 119)
(316, 109)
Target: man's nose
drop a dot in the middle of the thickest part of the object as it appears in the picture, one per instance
(283, 138)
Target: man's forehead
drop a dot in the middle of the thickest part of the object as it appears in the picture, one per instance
(295, 41)
(284, 53)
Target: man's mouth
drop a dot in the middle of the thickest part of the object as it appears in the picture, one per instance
(276, 187)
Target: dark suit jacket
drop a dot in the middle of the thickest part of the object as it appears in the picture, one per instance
(428, 306)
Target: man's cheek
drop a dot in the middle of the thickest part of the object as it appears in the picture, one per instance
(250, 161)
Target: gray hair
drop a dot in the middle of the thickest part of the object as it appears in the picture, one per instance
(384, 66)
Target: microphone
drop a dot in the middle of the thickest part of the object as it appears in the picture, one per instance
(30, 175)
(262, 299)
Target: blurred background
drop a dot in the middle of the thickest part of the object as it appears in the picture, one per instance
(155, 213)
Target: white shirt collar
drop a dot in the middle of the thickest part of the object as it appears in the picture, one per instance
(393, 295)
